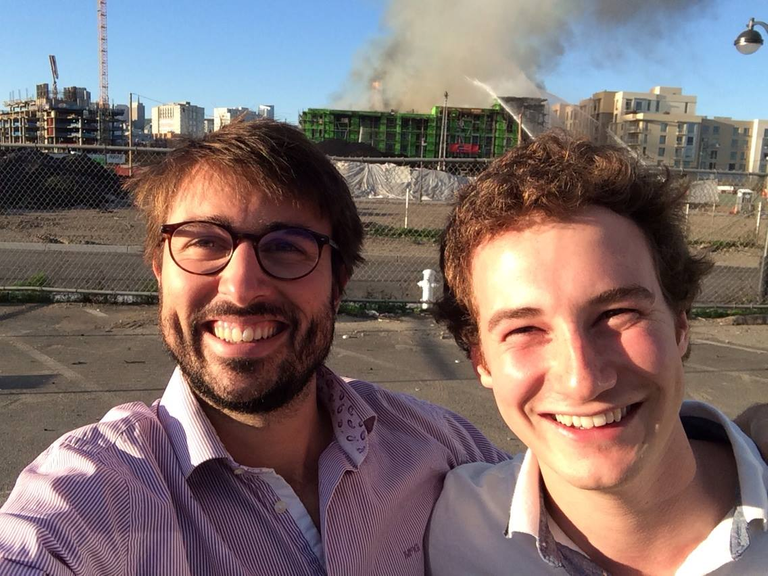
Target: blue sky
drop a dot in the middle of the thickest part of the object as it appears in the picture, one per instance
(296, 54)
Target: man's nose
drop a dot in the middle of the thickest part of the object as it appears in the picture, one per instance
(243, 280)
(582, 366)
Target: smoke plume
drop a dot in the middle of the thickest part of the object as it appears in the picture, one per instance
(430, 46)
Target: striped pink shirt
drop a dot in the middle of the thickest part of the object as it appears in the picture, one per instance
(151, 490)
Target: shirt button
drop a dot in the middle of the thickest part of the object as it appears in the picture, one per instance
(280, 506)
(238, 471)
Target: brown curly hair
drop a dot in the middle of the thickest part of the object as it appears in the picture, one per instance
(551, 178)
(275, 158)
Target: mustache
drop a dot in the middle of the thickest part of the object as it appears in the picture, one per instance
(284, 313)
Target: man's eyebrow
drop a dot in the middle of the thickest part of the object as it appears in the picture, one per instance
(634, 291)
(631, 292)
(511, 314)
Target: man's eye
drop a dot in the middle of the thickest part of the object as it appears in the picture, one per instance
(207, 242)
(280, 247)
(620, 315)
(522, 331)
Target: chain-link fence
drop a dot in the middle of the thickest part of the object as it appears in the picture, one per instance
(66, 223)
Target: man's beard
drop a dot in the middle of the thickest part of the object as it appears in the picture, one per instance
(275, 383)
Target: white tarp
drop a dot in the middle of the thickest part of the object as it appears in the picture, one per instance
(366, 180)
(703, 192)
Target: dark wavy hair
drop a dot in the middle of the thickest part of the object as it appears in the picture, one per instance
(273, 157)
(551, 178)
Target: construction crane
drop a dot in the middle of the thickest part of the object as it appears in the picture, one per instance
(55, 74)
(101, 7)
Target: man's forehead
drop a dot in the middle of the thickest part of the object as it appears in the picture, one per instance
(207, 187)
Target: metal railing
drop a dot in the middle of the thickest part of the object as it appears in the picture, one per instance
(67, 224)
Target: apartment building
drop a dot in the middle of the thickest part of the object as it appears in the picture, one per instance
(267, 111)
(178, 119)
(662, 127)
(53, 118)
(223, 116)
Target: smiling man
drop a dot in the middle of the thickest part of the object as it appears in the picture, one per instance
(568, 282)
(257, 459)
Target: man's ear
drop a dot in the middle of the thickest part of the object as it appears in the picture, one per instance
(157, 268)
(339, 283)
(682, 329)
(478, 364)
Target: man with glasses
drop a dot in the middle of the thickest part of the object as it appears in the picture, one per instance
(257, 459)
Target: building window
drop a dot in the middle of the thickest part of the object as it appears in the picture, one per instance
(705, 129)
(663, 127)
(713, 154)
(732, 166)
(662, 151)
(715, 130)
(734, 143)
(663, 139)
(628, 105)
(689, 142)
(691, 127)
(733, 155)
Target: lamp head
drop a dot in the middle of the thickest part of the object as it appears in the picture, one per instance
(749, 41)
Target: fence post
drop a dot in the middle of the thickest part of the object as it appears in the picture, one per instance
(407, 197)
(762, 287)
(757, 220)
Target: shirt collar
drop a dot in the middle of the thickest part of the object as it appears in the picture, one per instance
(352, 417)
(752, 470)
(194, 440)
(528, 514)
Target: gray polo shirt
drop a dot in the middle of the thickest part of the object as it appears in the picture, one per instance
(491, 519)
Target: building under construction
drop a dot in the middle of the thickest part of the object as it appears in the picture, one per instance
(52, 119)
(443, 133)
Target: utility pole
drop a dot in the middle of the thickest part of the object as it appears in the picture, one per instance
(444, 132)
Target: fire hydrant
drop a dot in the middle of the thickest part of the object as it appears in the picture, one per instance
(428, 287)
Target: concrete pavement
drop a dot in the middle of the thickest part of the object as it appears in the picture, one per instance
(65, 365)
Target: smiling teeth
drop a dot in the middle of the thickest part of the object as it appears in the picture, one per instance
(234, 334)
(596, 421)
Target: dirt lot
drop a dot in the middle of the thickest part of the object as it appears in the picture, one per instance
(395, 255)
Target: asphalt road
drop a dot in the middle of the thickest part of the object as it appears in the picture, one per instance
(390, 274)
(65, 365)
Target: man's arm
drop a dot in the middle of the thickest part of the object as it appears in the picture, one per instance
(754, 423)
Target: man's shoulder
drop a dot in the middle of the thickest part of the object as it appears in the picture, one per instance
(417, 420)
(125, 423)
(378, 397)
(491, 484)
(95, 457)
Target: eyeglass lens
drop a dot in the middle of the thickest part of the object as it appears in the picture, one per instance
(204, 248)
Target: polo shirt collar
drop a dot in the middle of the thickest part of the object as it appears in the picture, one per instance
(194, 440)
(528, 514)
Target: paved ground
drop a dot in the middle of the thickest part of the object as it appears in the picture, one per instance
(65, 365)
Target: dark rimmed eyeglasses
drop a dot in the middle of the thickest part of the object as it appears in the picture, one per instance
(285, 253)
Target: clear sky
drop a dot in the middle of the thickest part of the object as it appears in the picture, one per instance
(297, 54)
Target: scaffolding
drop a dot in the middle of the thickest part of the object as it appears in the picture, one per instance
(469, 132)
